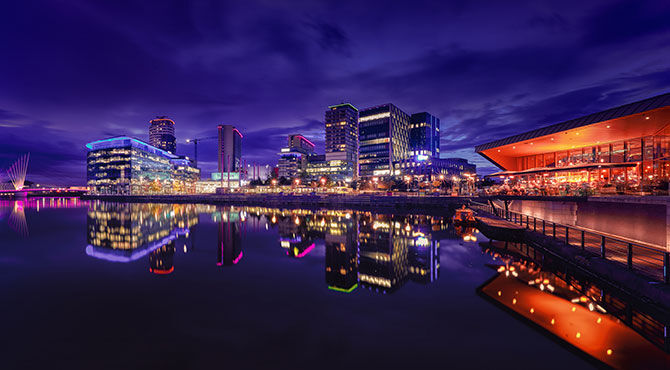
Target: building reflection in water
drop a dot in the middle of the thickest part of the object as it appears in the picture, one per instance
(121, 232)
(17, 217)
(229, 248)
(576, 312)
(379, 252)
(341, 241)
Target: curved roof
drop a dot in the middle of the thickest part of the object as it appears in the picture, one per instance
(655, 102)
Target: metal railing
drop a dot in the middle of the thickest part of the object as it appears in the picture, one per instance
(648, 261)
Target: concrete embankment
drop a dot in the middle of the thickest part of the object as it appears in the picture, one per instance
(335, 201)
(590, 264)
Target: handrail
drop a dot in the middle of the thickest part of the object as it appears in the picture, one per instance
(649, 261)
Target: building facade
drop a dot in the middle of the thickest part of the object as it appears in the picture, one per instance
(620, 150)
(161, 134)
(341, 122)
(383, 133)
(432, 168)
(318, 167)
(229, 148)
(125, 165)
(424, 136)
(293, 158)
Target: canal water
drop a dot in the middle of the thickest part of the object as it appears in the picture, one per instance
(174, 286)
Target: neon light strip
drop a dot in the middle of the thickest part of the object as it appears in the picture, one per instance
(116, 255)
(139, 142)
(342, 105)
(306, 140)
(307, 250)
(236, 260)
(238, 132)
(161, 119)
(343, 290)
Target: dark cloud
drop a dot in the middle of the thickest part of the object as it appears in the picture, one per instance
(76, 71)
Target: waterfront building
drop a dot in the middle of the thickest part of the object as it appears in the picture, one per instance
(341, 123)
(383, 133)
(318, 167)
(293, 158)
(229, 149)
(424, 136)
(161, 134)
(433, 168)
(620, 150)
(125, 165)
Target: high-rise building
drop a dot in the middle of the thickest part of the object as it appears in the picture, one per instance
(229, 149)
(383, 132)
(342, 136)
(161, 134)
(424, 136)
(293, 158)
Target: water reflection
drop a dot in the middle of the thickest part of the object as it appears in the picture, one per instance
(229, 249)
(365, 251)
(17, 220)
(121, 232)
(575, 311)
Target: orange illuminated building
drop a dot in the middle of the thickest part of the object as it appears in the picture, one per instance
(620, 150)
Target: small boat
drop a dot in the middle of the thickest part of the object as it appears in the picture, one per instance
(464, 216)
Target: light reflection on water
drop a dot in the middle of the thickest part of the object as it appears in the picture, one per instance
(356, 251)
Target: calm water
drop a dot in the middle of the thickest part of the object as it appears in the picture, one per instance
(107, 285)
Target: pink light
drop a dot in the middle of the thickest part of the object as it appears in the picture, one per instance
(307, 250)
(304, 138)
(238, 132)
(236, 260)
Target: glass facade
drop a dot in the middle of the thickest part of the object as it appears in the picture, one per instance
(424, 135)
(384, 139)
(637, 165)
(129, 166)
(342, 135)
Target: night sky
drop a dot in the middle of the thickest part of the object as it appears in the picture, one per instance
(75, 71)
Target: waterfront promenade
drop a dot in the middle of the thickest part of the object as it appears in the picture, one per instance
(309, 201)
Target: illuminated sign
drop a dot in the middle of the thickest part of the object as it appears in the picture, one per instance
(421, 157)
(216, 176)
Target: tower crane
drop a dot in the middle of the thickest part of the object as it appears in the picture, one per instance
(195, 145)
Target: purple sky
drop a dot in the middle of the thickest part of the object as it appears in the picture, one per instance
(72, 71)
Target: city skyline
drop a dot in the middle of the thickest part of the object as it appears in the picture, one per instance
(527, 67)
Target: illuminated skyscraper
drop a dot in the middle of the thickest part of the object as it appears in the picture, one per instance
(424, 136)
(383, 132)
(342, 136)
(229, 149)
(161, 134)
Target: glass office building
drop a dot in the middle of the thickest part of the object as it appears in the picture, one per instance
(620, 150)
(128, 166)
(341, 145)
(383, 133)
(424, 136)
